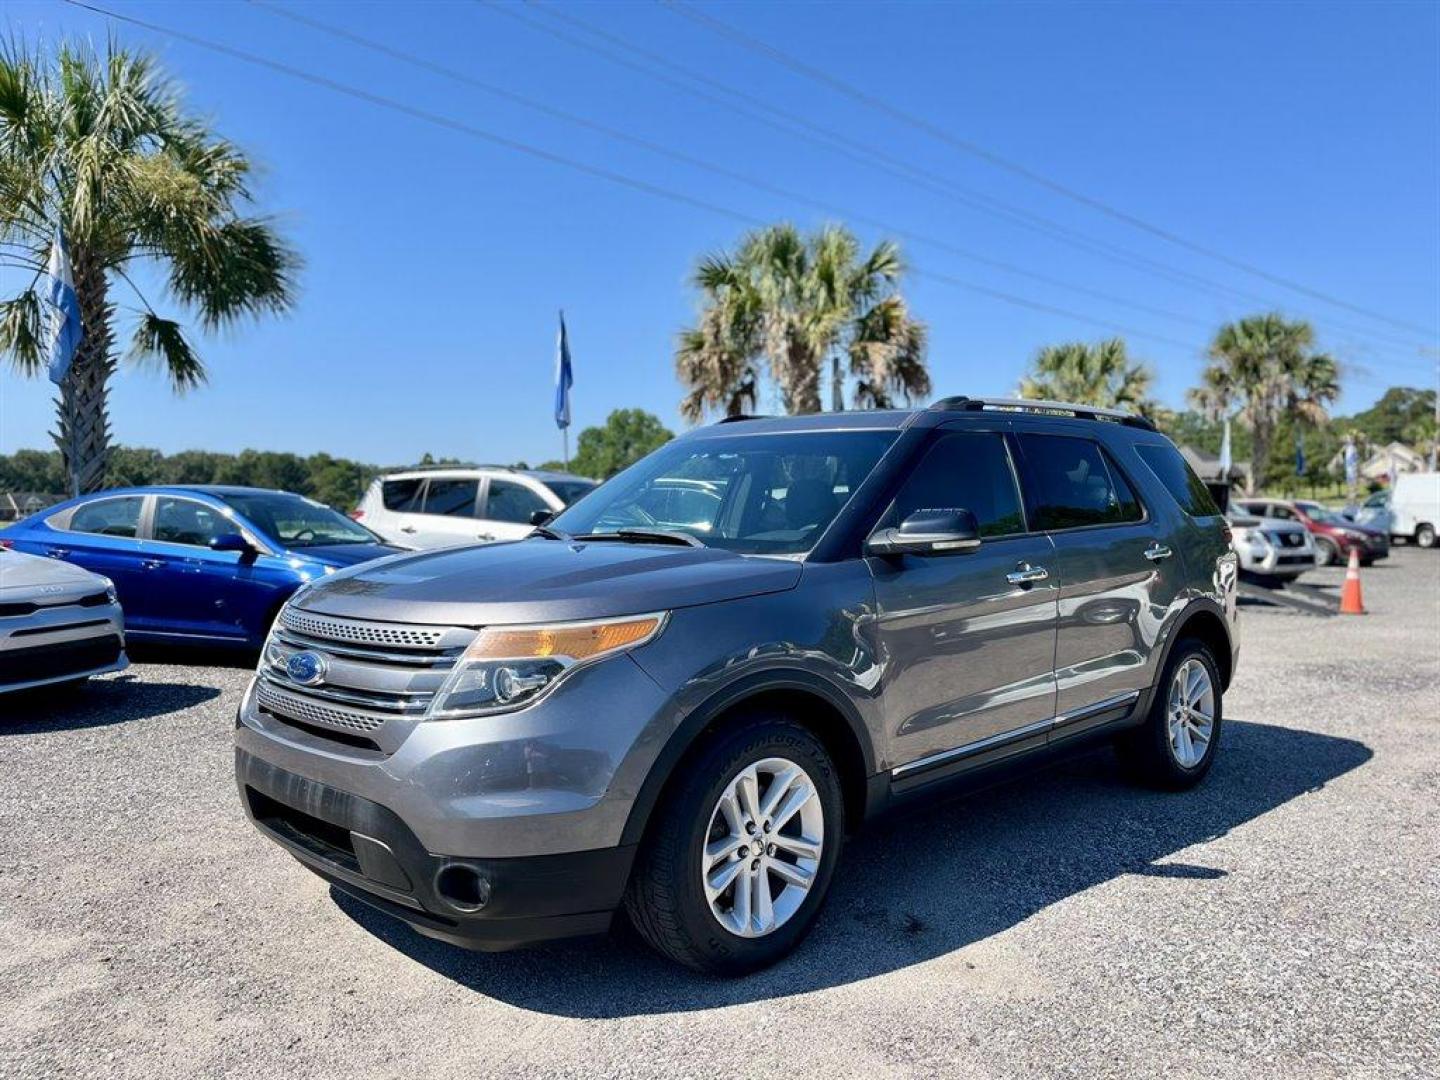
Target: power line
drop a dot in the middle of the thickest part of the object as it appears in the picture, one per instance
(655, 66)
(713, 168)
(999, 161)
(643, 186)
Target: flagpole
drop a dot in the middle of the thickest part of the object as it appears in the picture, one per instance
(565, 444)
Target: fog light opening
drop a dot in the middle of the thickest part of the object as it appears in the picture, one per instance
(463, 887)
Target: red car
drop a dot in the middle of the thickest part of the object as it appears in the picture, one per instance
(1334, 535)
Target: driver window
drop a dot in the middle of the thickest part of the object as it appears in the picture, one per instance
(184, 521)
(964, 470)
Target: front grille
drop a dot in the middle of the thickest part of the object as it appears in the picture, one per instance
(59, 659)
(373, 673)
(273, 700)
(1289, 539)
(327, 626)
(29, 607)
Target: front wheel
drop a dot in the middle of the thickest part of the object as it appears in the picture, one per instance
(1176, 745)
(1327, 550)
(736, 867)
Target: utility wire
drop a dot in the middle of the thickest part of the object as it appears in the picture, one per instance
(655, 66)
(643, 186)
(855, 93)
(713, 168)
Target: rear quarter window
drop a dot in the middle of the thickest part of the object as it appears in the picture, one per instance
(1174, 472)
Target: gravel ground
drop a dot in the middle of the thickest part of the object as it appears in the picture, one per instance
(1283, 920)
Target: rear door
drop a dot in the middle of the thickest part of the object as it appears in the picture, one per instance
(1118, 565)
(103, 536)
(968, 646)
(509, 505)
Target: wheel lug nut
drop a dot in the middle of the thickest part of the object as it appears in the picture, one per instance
(743, 853)
(770, 850)
(749, 826)
(767, 826)
(755, 865)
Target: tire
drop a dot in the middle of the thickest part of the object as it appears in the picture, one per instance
(1148, 752)
(1328, 549)
(667, 901)
(1425, 535)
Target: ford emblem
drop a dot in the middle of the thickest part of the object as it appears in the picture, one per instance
(306, 668)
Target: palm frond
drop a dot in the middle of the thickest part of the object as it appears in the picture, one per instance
(161, 342)
(22, 329)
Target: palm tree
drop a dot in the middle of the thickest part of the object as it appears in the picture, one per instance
(1101, 375)
(100, 147)
(800, 310)
(1266, 366)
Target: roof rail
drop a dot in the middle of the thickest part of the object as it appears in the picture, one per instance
(737, 417)
(437, 466)
(961, 403)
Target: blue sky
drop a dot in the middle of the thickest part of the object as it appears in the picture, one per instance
(1302, 138)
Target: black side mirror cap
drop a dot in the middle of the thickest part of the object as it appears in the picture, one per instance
(946, 531)
(230, 542)
(541, 517)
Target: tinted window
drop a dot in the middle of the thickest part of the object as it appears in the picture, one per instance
(453, 498)
(185, 521)
(402, 496)
(570, 491)
(757, 493)
(967, 470)
(509, 501)
(1075, 484)
(1171, 469)
(109, 517)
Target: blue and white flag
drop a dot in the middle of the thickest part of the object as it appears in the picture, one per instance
(563, 378)
(1299, 453)
(1225, 462)
(65, 329)
(1352, 462)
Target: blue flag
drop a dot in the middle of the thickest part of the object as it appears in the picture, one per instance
(563, 378)
(1299, 453)
(65, 330)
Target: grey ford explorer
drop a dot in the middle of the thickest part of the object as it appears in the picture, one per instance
(681, 694)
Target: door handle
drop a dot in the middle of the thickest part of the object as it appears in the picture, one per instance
(1158, 552)
(152, 564)
(58, 553)
(408, 529)
(485, 536)
(1025, 574)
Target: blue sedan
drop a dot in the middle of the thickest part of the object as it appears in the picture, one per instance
(206, 564)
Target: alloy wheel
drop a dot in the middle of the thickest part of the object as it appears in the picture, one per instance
(1190, 713)
(762, 847)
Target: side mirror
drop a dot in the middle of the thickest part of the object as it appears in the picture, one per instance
(541, 517)
(928, 532)
(231, 542)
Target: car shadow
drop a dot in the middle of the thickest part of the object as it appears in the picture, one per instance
(928, 882)
(94, 704)
(192, 655)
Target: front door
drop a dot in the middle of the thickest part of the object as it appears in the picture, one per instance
(194, 591)
(1119, 568)
(968, 639)
(509, 506)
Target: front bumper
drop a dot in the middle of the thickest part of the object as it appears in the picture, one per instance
(367, 851)
(1271, 561)
(64, 643)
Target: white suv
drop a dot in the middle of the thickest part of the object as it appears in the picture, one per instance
(442, 507)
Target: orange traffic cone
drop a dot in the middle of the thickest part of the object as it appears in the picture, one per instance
(1351, 602)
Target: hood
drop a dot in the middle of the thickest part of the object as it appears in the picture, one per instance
(538, 580)
(21, 575)
(344, 554)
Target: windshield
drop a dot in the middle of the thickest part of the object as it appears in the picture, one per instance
(1316, 512)
(296, 521)
(752, 494)
(570, 491)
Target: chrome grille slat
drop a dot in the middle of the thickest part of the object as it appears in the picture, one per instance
(429, 660)
(285, 704)
(370, 633)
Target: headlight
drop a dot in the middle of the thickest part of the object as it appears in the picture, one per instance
(506, 667)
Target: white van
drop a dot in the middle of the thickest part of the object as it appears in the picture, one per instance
(1415, 507)
(445, 506)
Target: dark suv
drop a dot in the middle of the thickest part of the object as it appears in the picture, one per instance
(684, 718)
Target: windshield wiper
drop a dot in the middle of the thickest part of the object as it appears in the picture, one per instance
(645, 536)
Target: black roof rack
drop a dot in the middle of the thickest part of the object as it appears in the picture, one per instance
(737, 417)
(961, 403)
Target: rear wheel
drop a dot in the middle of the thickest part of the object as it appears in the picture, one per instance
(736, 867)
(1176, 745)
(1425, 536)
